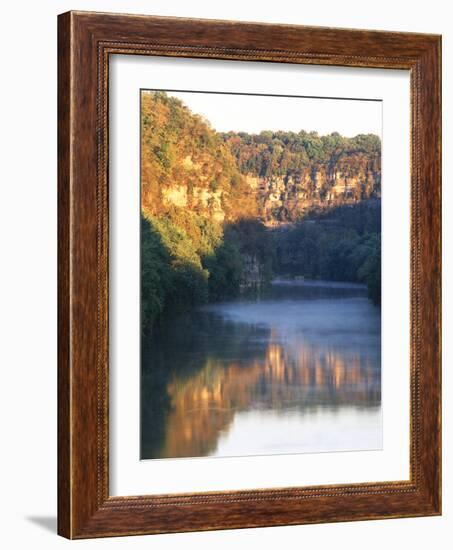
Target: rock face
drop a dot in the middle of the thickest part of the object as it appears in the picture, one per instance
(197, 196)
(188, 167)
(285, 198)
(252, 275)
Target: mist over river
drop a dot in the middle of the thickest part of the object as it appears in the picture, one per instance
(296, 370)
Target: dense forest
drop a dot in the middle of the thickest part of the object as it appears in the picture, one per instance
(225, 213)
(199, 229)
(295, 173)
(341, 244)
(288, 153)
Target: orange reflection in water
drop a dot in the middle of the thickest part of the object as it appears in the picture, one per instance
(291, 377)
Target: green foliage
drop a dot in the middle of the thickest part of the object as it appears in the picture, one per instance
(181, 268)
(225, 268)
(341, 245)
(172, 276)
(155, 273)
(241, 240)
(189, 286)
(181, 151)
(255, 242)
(370, 271)
(201, 239)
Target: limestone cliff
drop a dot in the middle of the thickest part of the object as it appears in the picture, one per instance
(186, 166)
(285, 198)
(189, 168)
(291, 173)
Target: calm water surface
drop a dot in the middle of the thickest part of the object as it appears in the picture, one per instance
(295, 371)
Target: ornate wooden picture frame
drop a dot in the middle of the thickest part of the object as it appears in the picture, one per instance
(86, 41)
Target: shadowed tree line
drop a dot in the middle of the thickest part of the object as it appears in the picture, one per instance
(178, 272)
(201, 239)
(343, 244)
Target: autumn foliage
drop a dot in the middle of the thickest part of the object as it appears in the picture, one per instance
(206, 197)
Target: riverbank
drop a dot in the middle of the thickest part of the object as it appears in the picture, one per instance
(314, 283)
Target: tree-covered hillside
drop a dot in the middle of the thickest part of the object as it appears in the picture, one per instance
(294, 173)
(200, 236)
(208, 200)
(186, 164)
(342, 244)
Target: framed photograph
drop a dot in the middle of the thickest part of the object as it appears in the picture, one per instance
(249, 275)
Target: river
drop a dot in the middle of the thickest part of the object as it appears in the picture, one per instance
(297, 370)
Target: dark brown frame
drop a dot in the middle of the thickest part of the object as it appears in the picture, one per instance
(85, 42)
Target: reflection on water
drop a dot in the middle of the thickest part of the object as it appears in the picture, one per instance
(296, 371)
